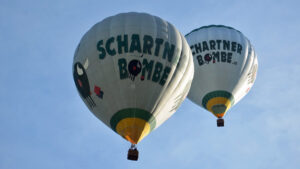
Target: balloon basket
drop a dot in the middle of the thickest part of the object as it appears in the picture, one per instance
(133, 153)
(220, 122)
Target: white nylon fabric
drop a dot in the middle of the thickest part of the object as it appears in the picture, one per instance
(235, 74)
(160, 100)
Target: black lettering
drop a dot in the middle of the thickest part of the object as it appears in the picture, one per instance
(226, 45)
(218, 42)
(111, 52)
(157, 71)
(233, 46)
(148, 44)
(198, 48)
(169, 51)
(223, 56)
(193, 52)
(158, 42)
(123, 68)
(212, 44)
(135, 43)
(204, 46)
(239, 49)
(216, 56)
(101, 49)
(229, 57)
(200, 60)
(165, 75)
(122, 44)
(147, 67)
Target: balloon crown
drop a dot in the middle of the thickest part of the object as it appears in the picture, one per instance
(209, 26)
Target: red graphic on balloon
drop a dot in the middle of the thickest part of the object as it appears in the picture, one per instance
(98, 92)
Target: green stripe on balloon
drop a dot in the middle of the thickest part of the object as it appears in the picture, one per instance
(218, 93)
(132, 113)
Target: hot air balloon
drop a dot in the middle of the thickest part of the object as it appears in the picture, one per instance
(225, 68)
(133, 70)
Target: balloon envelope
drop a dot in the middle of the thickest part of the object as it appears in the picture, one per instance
(225, 67)
(133, 70)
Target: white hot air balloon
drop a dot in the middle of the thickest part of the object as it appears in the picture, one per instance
(225, 68)
(133, 70)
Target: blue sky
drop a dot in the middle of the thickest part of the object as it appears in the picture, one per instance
(44, 123)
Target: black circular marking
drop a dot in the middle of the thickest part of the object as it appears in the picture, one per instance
(134, 68)
(207, 58)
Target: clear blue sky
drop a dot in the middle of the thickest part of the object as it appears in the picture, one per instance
(45, 125)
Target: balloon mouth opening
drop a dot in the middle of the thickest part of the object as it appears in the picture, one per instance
(133, 124)
(133, 129)
(219, 110)
(218, 102)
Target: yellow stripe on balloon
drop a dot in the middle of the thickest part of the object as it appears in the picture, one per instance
(133, 129)
(218, 101)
